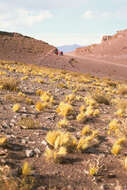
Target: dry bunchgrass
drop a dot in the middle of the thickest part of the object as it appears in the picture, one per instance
(101, 99)
(8, 182)
(13, 98)
(17, 98)
(10, 84)
(122, 104)
(11, 183)
(122, 90)
(28, 123)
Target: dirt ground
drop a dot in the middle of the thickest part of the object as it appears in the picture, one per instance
(73, 173)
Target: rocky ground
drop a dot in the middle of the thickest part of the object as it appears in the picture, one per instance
(87, 115)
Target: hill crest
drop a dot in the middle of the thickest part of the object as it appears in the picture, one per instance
(15, 46)
(110, 46)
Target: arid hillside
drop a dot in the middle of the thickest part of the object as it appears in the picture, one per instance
(112, 48)
(15, 46)
(61, 130)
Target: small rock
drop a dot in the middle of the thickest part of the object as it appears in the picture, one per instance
(31, 142)
(104, 187)
(24, 109)
(15, 116)
(3, 152)
(27, 138)
(29, 153)
(78, 134)
(23, 141)
(44, 142)
(37, 151)
(62, 93)
(111, 175)
(4, 125)
(56, 90)
(13, 121)
(12, 124)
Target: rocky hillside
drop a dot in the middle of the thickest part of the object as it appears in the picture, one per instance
(14, 46)
(110, 46)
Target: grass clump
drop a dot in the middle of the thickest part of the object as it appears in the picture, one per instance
(86, 130)
(26, 169)
(13, 98)
(101, 99)
(64, 109)
(86, 141)
(116, 149)
(60, 143)
(8, 182)
(16, 107)
(81, 117)
(63, 123)
(125, 163)
(121, 104)
(40, 106)
(113, 127)
(122, 90)
(28, 123)
(10, 84)
(57, 156)
(3, 140)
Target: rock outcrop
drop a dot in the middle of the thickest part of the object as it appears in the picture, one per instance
(115, 45)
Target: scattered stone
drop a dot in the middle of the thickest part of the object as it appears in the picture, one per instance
(31, 142)
(4, 125)
(56, 90)
(111, 175)
(23, 141)
(15, 116)
(27, 138)
(11, 137)
(24, 109)
(29, 153)
(3, 152)
(12, 124)
(104, 187)
(37, 151)
(44, 142)
(13, 121)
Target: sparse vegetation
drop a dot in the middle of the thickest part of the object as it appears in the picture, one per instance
(16, 107)
(53, 117)
(10, 84)
(28, 123)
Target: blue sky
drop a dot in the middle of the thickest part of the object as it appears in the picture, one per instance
(63, 22)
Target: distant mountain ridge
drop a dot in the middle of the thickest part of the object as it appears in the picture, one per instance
(68, 48)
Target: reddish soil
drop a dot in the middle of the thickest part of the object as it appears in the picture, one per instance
(112, 64)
